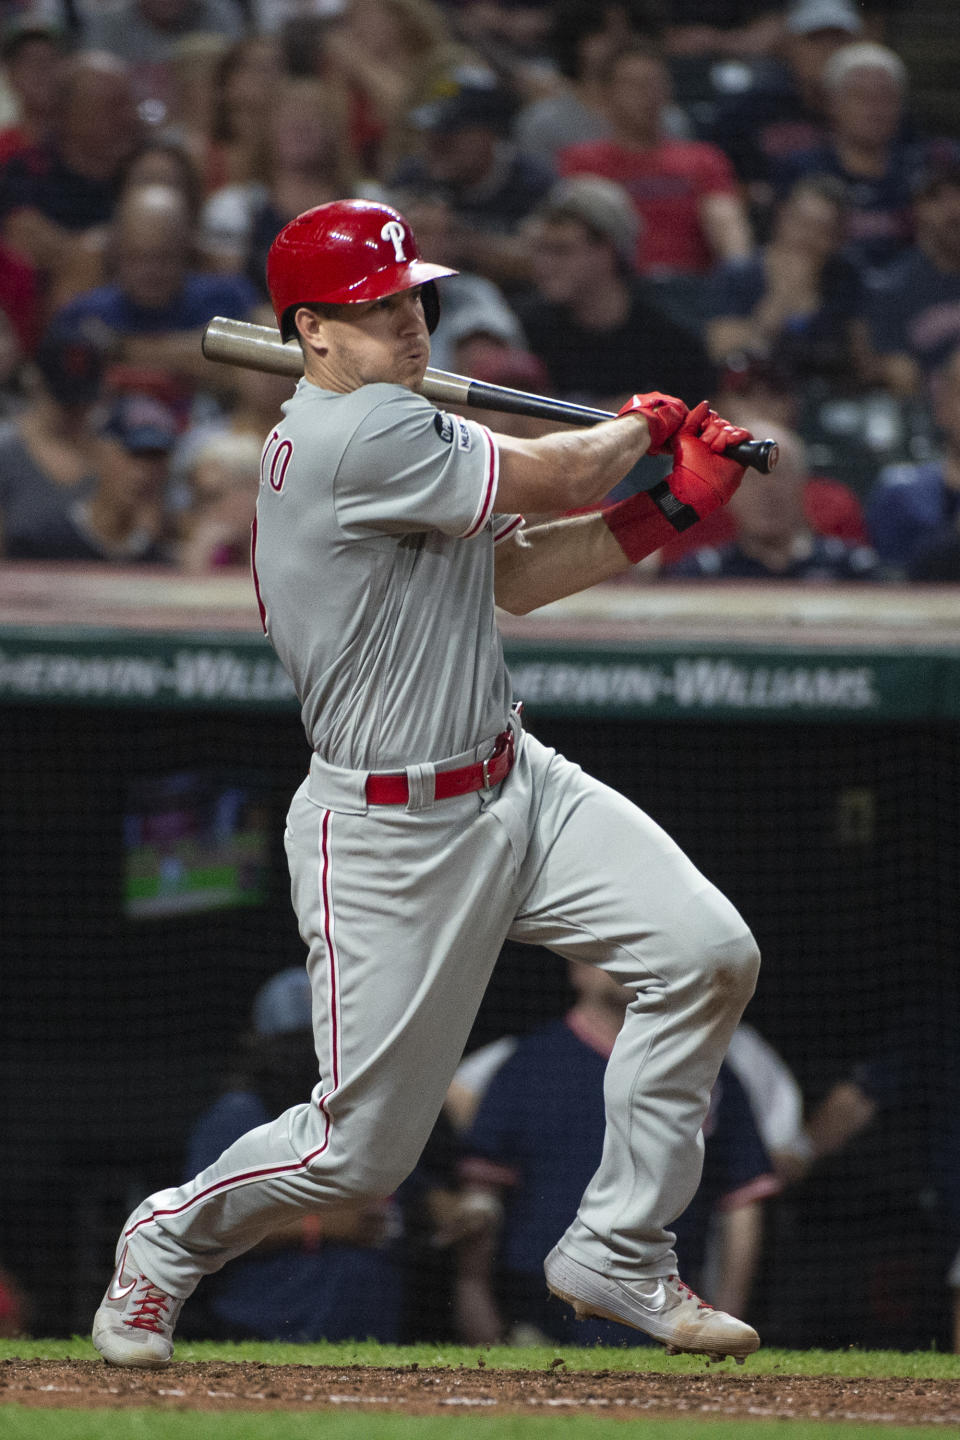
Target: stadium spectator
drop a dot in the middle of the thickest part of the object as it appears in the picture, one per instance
(684, 191)
(594, 323)
(774, 539)
(158, 160)
(390, 56)
(584, 38)
(249, 411)
(546, 1101)
(914, 508)
(157, 305)
(223, 480)
(118, 516)
(308, 161)
(798, 299)
(54, 192)
(784, 113)
(914, 314)
(32, 57)
(148, 34)
(490, 184)
(866, 90)
(45, 451)
(243, 95)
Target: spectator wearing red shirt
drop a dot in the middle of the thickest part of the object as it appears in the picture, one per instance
(684, 191)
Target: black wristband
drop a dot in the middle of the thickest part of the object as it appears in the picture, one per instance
(679, 515)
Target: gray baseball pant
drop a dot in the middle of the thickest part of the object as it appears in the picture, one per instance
(404, 911)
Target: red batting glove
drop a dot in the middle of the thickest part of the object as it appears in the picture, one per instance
(702, 477)
(712, 429)
(664, 415)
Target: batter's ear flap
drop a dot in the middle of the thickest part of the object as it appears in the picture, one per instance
(430, 299)
(288, 326)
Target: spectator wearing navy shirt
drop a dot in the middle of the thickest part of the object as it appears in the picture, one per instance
(784, 113)
(537, 1138)
(157, 306)
(914, 314)
(866, 88)
(798, 299)
(913, 510)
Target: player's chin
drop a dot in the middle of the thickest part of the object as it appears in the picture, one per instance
(413, 368)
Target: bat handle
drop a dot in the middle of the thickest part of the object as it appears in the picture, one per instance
(760, 455)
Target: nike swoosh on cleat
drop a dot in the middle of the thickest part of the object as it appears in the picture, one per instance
(651, 1303)
(118, 1291)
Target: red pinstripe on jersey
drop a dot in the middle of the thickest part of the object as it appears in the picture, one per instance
(269, 1172)
(256, 578)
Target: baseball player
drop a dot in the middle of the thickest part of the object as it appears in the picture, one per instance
(430, 828)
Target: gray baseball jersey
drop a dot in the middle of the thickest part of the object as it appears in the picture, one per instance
(382, 617)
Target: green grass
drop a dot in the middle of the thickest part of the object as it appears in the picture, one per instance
(27, 1423)
(17, 1423)
(919, 1364)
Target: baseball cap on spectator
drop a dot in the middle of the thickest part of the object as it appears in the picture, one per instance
(483, 320)
(140, 423)
(283, 1004)
(806, 17)
(72, 361)
(602, 205)
(477, 100)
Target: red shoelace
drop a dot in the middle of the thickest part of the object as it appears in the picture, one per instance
(689, 1294)
(147, 1309)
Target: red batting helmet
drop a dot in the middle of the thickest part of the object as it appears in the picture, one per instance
(345, 252)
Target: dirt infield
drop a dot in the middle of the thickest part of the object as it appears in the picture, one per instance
(420, 1391)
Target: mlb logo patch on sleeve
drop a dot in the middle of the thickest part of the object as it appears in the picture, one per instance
(464, 441)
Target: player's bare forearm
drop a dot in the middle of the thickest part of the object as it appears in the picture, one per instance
(565, 471)
(547, 562)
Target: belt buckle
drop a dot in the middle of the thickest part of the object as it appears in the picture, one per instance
(485, 772)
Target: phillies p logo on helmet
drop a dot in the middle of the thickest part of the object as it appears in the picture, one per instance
(394, 232)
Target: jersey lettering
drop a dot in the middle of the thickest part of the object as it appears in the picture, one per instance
(275, 460)
(394, 232)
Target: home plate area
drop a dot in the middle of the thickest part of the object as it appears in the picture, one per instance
(414, 1390)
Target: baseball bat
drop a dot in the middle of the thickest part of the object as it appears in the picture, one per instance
(259, 347)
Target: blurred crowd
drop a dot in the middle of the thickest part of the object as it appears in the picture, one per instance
(750, 209)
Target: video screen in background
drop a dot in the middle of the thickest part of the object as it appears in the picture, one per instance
(194, 840)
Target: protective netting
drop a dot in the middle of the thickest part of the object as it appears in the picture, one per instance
(132, 953)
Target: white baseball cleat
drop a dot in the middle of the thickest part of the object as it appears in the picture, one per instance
(664, 1307)
(134, 1325)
